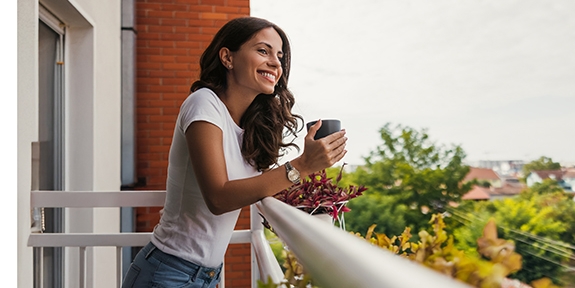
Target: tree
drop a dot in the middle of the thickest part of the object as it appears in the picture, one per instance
(548, 186)
(409, 178)
(540, 221)
(541, 164)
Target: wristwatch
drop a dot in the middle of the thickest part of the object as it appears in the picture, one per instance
(292, 173)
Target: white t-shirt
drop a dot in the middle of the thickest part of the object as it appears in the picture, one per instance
(187, 228)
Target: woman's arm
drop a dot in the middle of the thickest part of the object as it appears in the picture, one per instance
(205, 144)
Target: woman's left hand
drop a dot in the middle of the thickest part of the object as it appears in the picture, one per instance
(322, 153)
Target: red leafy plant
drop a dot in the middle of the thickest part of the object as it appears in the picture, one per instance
(317, 194)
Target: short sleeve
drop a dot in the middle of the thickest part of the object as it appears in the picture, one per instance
(202, 105)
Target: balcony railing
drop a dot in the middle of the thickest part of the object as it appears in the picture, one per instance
(334, 258)
(87, 199)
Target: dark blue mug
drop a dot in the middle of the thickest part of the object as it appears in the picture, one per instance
(328, 126)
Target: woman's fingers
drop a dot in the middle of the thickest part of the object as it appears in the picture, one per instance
(313, 129)
(337, 150)
(326, 151)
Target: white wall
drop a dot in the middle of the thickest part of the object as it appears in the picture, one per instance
(93, 107)
(532, 179)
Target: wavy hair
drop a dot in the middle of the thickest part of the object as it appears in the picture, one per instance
(268, 120)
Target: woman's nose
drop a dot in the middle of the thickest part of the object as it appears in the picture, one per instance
(275, 62)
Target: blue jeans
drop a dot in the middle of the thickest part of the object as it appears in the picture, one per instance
(154, 268)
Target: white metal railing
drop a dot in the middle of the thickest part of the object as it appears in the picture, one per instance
(268, 265)
(335, 258)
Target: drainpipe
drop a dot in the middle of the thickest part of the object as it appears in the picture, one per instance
(129, 33)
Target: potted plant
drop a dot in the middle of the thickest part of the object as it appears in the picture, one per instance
(317, 194)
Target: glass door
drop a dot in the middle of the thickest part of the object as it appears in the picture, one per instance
(51, 144)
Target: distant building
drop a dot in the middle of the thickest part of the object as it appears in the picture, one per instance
(501, 167)
(564, 177)
(483, 175)
(491, 185)
(569, 177)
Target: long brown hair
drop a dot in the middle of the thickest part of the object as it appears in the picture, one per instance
(268, 120)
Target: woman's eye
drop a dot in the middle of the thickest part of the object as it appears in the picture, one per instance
(263, 51)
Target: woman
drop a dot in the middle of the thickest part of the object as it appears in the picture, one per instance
(228, 136)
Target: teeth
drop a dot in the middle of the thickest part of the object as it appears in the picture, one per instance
(269, 75)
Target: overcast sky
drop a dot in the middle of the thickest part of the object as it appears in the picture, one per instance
(494, 76)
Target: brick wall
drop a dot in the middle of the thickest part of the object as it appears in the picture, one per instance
(171, 35)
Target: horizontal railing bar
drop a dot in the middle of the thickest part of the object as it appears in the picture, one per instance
(125, 239)
(88, 239)
(336, 258)
(90, 199)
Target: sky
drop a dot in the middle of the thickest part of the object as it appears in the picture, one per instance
(496, 77)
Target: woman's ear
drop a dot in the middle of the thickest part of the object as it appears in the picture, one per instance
(226, 57)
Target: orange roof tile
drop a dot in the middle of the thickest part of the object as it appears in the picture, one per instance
(569, 173)
(481, 174)
(545, 174)
(477, 193)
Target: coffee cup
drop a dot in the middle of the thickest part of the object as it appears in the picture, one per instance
(328, 126)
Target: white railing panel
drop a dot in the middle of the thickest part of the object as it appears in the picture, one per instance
(336, 258)
(95, 199)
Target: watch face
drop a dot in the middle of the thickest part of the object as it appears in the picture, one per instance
(293, 175)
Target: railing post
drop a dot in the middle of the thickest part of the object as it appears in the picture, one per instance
(254, 226)
(82, 267)
(119, 265)
(38, 267)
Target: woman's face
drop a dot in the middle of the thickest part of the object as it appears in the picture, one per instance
(256, 65)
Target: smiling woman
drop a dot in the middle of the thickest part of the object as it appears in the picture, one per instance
(224, 155)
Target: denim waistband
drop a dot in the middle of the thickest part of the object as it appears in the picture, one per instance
(192, 269)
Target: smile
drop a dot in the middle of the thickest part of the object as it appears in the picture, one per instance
(269, 76)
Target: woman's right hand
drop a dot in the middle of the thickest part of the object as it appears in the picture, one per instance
(322, 153)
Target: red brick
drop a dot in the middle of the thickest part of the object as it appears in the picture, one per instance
(187, 15)
(160, 29)
(162, 118)
(160, 43)
(173, 22)
(175, 51)
(159, 14)
(149, 81)
(227, 9)
(210, 15)
(161, 88)
(175, 66)
(161, 58)
(161, 103)
(148, 21)
(202, 8)
(160, 133)
(175, 37)
(162, 74)
(140, 6)
(175, 7)
(240, 3)
(188, 30)
(149, 36)
(201, 23)
(175, 81)
(150, 111)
